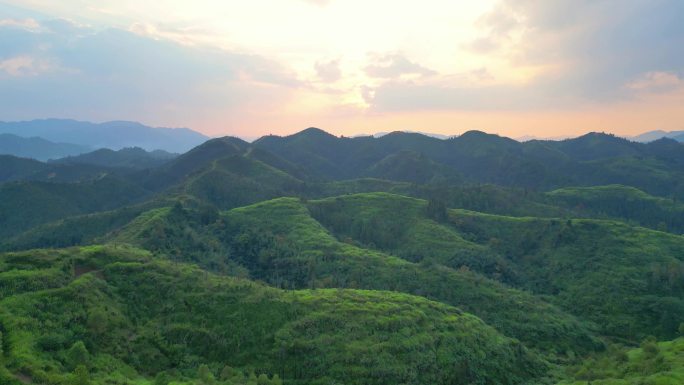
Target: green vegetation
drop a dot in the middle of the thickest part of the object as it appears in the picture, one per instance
(279, 242)
(120, 316)
(313, 259)
(132, 157)
(627, 280)
(654, 363)
(623, 202)
(27, 204)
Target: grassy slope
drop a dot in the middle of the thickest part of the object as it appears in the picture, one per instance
(237, 181)
(626, 279)
(622, 202)
(652, 364)
(279, 242)
(138, 315)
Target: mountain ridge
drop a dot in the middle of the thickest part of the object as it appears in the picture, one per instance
(38, 148)
(114, 135)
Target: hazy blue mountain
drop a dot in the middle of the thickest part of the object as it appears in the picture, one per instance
(658, 134)
(38, 148)
(114, 135)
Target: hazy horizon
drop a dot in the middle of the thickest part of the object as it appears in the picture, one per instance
(285, 132)
(530, 68)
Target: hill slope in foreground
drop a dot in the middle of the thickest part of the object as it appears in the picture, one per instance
(120, 315)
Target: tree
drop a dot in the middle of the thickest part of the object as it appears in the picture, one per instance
(227, 373)
(161, 379)
(1, 351)
(252, 378)
(77, 355)
(97, 322)
(80, 376)
(437, 210)
(263, 380)
(681, 332)
(205, 375)
(650, 347)
(276, 380)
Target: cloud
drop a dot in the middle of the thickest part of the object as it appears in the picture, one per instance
(65, 69)
(590, 48)
(184, 35)
(498, 26)
(571, 52)
(328, 71)
(320, 3)
(24, 66)
(412, 96)
(394, 65)
(29, 24)
(656, 82)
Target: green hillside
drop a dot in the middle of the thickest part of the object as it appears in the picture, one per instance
(26, 204)
(628, 280)
(280, 243)
(14, 168)
(119, 316)
(622, 202)
(316, 259)
(659, 363)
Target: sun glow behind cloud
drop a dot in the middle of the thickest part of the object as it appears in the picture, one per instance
(250, 68)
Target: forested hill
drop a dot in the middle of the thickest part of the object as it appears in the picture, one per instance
(591, 159)
(317, 259)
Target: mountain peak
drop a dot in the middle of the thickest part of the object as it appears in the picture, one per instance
(481, 136)
(599, 137)
(314, 132)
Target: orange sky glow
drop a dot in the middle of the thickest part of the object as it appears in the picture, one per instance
(515, 68)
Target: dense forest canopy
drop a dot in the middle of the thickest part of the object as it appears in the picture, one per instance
(316, 259)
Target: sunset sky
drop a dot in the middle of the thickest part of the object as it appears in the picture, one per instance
(248, 68)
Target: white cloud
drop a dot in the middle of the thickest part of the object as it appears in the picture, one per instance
(320, 3)
(29, 24)
(656, 81)
(394, 65)
(24, 66)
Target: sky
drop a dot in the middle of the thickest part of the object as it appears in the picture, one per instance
(544, 68)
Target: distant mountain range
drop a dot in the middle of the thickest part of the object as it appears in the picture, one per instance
(113, 135)
(658, 134)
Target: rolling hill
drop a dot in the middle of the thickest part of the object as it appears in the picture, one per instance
(118, 314)
(37, 148)
(133, 158)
